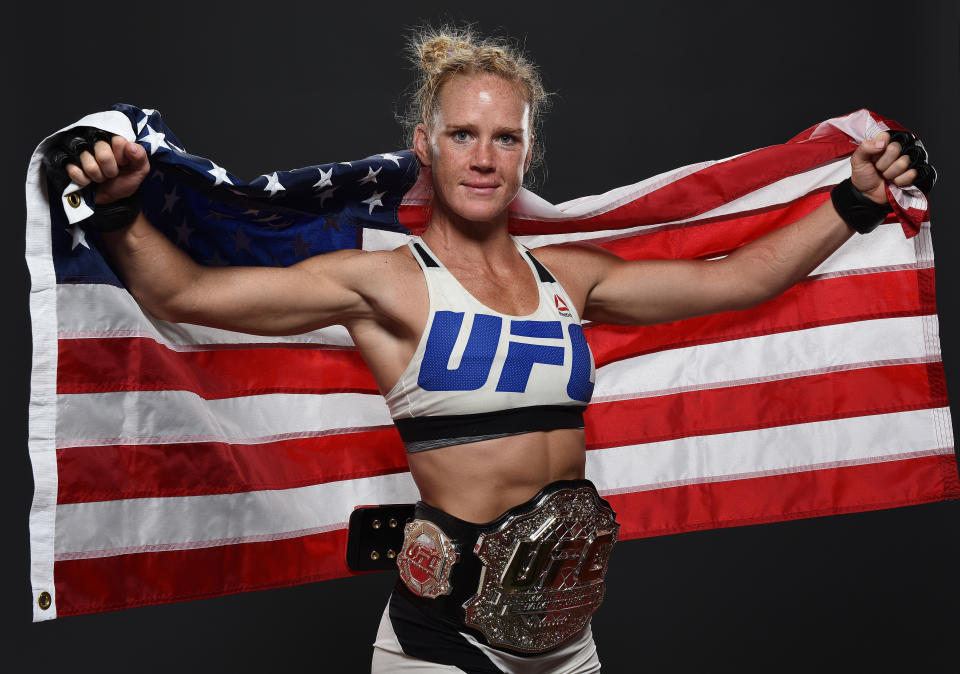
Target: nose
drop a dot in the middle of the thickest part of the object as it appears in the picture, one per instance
(483, 157)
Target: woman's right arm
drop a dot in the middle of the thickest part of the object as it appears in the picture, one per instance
(321, 290)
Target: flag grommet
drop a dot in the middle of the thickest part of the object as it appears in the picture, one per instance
(44, 601)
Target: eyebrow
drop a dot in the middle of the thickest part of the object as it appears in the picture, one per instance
(471, 127)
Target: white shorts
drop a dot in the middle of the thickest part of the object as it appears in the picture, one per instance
(409, 642)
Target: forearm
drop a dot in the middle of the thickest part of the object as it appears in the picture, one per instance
(153, 268)
(767, 266)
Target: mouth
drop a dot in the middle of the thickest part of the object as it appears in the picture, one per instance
(481, 188)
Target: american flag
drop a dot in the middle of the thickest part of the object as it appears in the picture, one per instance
(174, 461)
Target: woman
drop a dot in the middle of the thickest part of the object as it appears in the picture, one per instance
(476, 345)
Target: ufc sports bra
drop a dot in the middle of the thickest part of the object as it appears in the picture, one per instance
(478, 374)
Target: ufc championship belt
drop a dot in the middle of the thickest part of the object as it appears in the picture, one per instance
(527, 581)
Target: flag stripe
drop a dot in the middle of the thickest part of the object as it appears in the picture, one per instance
(86, 585)
(869, 390)
(137, 471)
(130, 525)
(765, 357)
(102, 364)
(772, 498)
(183, 469)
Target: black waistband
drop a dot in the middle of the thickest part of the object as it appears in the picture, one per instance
(465, 574)
(502, 422)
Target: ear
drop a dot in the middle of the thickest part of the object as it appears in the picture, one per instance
(421, 145)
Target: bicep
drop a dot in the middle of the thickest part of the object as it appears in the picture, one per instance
(646, 292)
(322, 290)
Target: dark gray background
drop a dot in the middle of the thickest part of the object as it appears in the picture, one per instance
(638, 90)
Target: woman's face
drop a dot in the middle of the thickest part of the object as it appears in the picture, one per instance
(478, 147)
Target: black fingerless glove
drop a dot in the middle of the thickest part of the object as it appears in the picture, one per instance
(66, 148)
(864, 214)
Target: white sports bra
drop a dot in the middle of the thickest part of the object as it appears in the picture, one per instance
(478, 374)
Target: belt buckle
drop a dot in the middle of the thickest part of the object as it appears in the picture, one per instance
(426, 559)
(543, 574)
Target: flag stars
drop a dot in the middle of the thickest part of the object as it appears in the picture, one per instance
(301, 248)
(374, 200)
(241, 241)
(216, 260)
(273, 184)
(392, 157)
(183, 233)
(146, 117)
(156, 140)
(79, 237)
(325, 180)
(371, 176)
(326, 194)
(169, 200)
(219, 175)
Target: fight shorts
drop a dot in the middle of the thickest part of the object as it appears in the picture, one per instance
(512, 595)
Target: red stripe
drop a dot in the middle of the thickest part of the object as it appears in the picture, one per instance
(782, 497)
(141, 364)
(138, 471)
(134, 471)
(815, 303)
(820, 397)
(88, 585)
(107, 583)
(712, 236)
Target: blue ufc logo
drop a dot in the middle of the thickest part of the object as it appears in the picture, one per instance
(481, 349)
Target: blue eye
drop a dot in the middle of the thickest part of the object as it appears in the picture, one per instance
(507, 139)
(461, 136)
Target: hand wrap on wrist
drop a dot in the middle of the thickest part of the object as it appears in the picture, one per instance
(116, 215)
(858, 211)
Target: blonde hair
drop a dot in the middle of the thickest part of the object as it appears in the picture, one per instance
(438, 54)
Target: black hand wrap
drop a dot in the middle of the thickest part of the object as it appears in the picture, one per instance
(857, 210)
(864, 214)
(66, 149)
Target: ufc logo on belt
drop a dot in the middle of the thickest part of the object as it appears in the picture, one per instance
(548, 563)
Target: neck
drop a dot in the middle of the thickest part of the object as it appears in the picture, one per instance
(468, 241)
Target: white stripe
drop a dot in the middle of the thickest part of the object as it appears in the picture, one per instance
(783, 449)
(101, 310)
(140, 417)
(764, 357)
(103, 528)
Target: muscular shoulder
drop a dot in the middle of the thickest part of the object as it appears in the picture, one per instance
(577, 266)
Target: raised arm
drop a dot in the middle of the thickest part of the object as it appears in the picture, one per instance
(322, 290)
(658, 291)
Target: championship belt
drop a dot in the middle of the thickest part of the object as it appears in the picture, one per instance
(526, 582)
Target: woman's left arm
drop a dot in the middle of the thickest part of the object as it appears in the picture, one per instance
(657, 291)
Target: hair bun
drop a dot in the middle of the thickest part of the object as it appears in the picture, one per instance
(434, 52)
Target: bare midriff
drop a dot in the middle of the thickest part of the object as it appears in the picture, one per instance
(480, 480)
